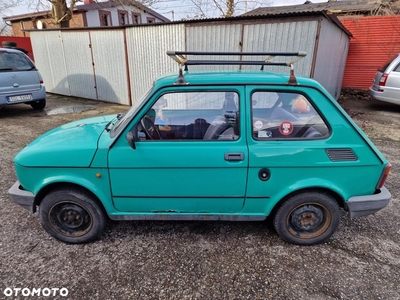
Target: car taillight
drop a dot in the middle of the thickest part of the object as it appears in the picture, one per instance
(382, 81)
(41, 81)
(384, 176)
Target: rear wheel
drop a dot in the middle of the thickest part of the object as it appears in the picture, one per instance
(72, 216)
(307, 218)
(38, 105)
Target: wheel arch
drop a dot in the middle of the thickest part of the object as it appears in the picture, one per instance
(67, 185)
(340, 201)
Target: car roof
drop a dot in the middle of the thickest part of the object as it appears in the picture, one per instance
(235, 77)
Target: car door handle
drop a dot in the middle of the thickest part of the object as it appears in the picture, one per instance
(234, 156)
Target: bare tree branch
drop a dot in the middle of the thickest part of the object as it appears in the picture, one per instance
(227, 8)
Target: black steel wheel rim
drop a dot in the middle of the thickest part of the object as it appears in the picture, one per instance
(308, 220)
(70, 219)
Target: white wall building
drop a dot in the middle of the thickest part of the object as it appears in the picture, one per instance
(120, 13)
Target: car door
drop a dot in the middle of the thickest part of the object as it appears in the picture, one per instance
(190, 154)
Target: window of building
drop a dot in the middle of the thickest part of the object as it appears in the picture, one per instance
(123, 17)
(151, 20)
(136, 18)
(211, 115)
(105, 18)
(279, 115)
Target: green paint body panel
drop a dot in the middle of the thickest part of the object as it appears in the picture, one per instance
(71, 145)
(187, 177)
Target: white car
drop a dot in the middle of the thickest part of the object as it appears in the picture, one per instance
(386, 85)
(20, 80)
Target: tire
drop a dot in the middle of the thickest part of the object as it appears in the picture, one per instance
(72, 216)
(307, 219)
(38, 105)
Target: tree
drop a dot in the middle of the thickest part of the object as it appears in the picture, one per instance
(5, 6)
(226, 8)
(61, 13)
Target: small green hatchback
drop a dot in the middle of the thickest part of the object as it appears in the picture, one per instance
(234, 146)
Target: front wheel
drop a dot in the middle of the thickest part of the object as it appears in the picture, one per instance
(72, 216)
(307, 218)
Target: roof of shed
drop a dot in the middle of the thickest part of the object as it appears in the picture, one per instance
(333, 7)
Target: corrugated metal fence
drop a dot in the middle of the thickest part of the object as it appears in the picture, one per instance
(376, 40)
(119, 64)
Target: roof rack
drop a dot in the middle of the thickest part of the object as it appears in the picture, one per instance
(181, 58)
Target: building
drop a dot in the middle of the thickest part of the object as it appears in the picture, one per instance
(90, 14)
(375, 28)
(119, 64)
(338, 8)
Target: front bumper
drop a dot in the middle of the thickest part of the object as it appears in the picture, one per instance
(367, 205)
(24, 198)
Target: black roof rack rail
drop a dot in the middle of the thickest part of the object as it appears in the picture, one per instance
(181, 58)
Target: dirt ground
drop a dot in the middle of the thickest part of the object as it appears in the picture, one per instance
(198, 260)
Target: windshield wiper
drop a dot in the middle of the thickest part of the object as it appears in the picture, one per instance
(119, 116)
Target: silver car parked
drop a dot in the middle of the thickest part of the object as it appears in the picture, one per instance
(20, 81)
(386, 85)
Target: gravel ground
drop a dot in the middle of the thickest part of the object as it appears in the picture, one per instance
(197, 260)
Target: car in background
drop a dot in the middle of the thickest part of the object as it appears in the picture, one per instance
(386, 85)
(20, 80)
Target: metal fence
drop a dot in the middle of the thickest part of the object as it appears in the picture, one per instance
(120, 64)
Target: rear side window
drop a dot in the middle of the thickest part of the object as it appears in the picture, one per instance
(386, 65)
(278, 115)
(397, 68)
(13, 61)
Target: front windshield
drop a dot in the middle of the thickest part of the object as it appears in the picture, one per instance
(130, 113)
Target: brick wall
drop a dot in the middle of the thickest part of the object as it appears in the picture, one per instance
(18, 27)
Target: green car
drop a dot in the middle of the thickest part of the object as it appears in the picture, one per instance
(234, 146)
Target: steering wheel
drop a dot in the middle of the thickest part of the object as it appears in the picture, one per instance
(149, 128)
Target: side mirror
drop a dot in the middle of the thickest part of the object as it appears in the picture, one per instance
(131, 138)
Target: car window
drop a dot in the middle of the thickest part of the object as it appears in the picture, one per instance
(210, 115)
(278, 115)
(13, 61)
(386, 65)
(397, 68)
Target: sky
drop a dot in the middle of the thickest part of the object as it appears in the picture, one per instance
(178, 9)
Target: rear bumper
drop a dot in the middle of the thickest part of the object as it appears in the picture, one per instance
(21, 197)
(367, 205)
(39, 94)
(382, 96)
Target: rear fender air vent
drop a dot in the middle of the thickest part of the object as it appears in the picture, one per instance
(341, 154)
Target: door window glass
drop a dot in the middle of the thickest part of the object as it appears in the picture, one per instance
(210, 115)
(278, 115)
